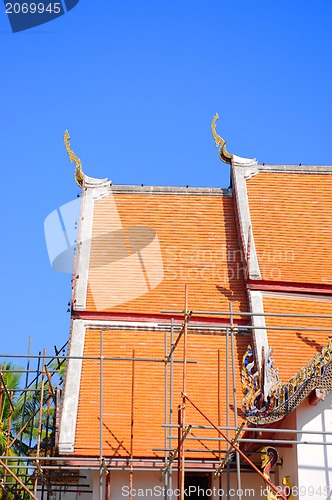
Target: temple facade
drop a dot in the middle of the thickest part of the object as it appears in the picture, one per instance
(200, 358)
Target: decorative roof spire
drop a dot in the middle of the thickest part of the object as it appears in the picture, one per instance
(223, 153)
(78, 174)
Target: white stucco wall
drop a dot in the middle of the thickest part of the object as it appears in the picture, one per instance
(149, 485)
(315, 461)
(287, 455)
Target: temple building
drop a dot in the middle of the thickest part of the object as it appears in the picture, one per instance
(200, 356)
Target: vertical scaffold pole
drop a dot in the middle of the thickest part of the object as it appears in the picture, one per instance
(131, 473)
(40, 422)
(219, 417)
(184, 385)
(101, 411)
(170, 476)
(180, 432)
(238, 465)
(228, 478)
(166, 454)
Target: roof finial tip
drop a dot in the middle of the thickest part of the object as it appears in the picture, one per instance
(224, 155)
(78, 174)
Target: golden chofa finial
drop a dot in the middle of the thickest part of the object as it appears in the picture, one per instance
(78, 174)
(224, 155)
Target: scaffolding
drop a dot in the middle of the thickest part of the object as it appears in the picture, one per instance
(31, 466)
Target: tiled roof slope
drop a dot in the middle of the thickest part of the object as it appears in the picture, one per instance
(202, 387)
(197, 233)
(291, 216)
(198, 242)
(292, 349)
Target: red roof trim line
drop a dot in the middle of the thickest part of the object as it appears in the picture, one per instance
(289, 286)
(157, 462)
(159, 318)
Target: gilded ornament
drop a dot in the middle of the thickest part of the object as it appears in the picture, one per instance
(224, 155)
(78, 174)
(269, 458)
(282, 398)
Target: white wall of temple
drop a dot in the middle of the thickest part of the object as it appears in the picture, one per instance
(287, 454)
(288, 467)
(315, 461)
(252, 486)
(150, 485)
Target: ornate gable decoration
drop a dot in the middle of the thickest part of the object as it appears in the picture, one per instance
(224, 155)
(78, 174)
(281, 399)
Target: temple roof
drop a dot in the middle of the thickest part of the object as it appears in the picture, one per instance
(196, 231)
(263, 247)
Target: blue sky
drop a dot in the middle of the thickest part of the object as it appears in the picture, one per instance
(137, 85)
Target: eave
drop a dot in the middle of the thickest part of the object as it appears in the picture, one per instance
(289, 286)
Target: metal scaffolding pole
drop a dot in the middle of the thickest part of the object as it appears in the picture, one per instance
(40, 422)
(179, 449)
(238, 467)
(184, 386)
(43, 382)
(219, 417)
(237, 449)
(258, 440)
(241, 313)
(17, 479)
(166, 406)
(170, 473)
(132, 421)
(101, 376)
(258, 429)
(228, 477)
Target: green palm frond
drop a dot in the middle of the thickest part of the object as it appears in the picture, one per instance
(25, 412)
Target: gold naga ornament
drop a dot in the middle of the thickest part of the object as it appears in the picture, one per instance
(78, 173)
(269, 458)
(283, 398)
(224, 155)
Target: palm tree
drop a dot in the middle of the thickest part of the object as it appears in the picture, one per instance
(24, 426)
(8, 409)
(26, 422)
(11, 412)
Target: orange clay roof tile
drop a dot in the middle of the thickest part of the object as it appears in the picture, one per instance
(291, 217)
(294, 348)
(202, 386)
(198, 242)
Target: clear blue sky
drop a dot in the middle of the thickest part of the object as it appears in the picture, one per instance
(137, 84)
